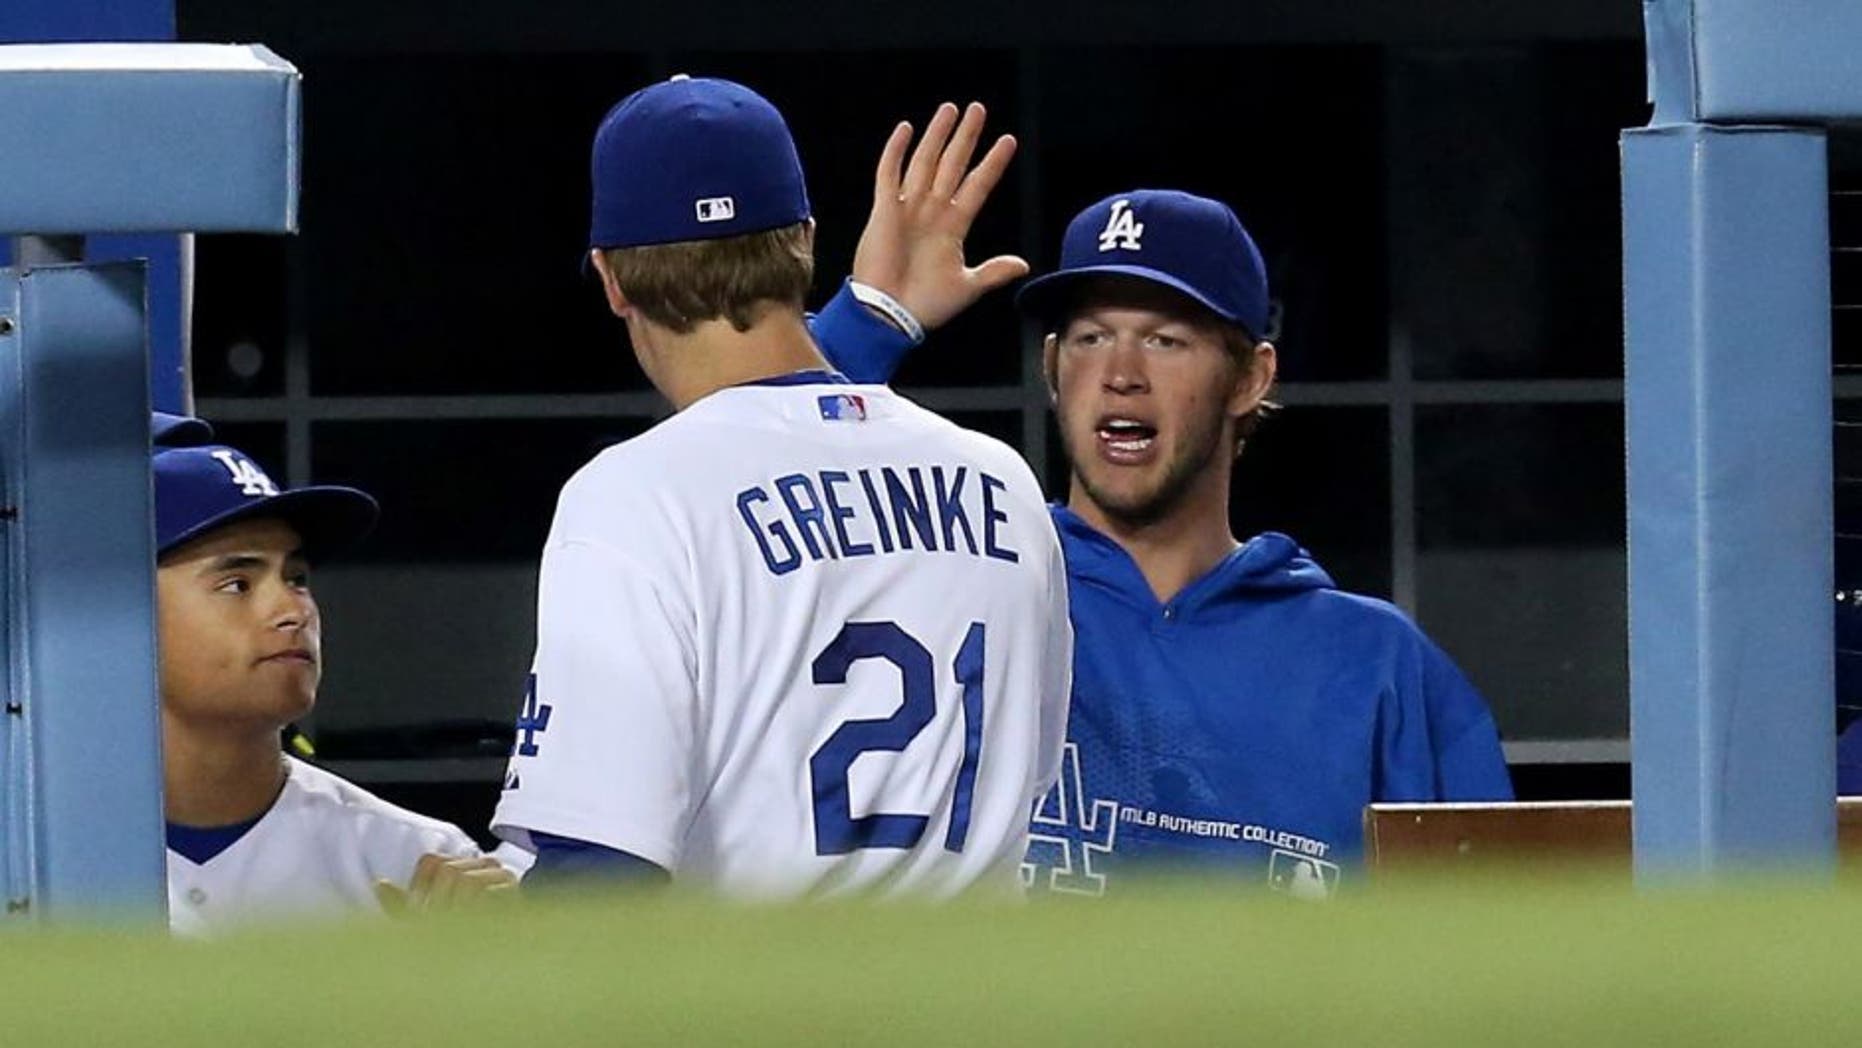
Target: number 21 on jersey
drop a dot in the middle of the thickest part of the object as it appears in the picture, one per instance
(837, 831)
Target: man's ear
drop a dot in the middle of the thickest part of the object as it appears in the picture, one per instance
(617, 302)
(1050, 365)
(1252, 385)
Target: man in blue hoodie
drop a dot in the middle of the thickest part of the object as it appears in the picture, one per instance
(1231, 707)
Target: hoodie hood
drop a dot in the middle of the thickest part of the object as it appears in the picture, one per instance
(1268, 564)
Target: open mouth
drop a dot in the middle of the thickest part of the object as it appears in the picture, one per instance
(1126, 435)
(292, 657)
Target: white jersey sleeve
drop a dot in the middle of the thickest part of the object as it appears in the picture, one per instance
(317, 852)
(799, 639)
(612, 706)
(1057, 671)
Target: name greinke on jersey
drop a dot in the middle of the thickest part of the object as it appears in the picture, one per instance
(829, 514)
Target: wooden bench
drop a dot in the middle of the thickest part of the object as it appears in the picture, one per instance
(1525, 835)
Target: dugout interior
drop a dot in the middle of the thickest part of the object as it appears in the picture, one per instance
(1436, 192)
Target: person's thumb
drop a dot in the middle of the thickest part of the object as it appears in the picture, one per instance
(998, 271)
(393, 897)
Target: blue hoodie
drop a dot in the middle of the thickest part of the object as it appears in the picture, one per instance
(1244, 724)
(1849, 760)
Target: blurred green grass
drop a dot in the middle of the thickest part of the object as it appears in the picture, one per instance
(1577, 960)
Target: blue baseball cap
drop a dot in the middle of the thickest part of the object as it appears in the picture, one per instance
(201, 487)
(693, 159)
(178, 431)
(1188, 243)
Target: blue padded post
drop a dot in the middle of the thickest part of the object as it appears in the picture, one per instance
(1727, 289)
(102, 139)
(170, 276)
(82, 767)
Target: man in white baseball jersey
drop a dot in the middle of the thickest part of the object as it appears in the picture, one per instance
(803, 637)
(253, 833)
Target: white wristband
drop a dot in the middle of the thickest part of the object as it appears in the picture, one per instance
(874, 298)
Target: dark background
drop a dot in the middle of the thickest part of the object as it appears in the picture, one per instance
(1434, 186)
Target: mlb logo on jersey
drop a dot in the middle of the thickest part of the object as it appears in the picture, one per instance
(717, 209)
(1301, 876)
(843, 407)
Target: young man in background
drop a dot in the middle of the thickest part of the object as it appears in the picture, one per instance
(254, 834)
(802, 637)
(1232, 709)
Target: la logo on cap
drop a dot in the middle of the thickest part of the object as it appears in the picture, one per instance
(1122, 229)
(250, 478)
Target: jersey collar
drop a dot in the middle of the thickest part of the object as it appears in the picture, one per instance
(198, 844)
(808, 377)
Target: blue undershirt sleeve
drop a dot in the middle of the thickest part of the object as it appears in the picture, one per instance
(565, 861)
(862, 346)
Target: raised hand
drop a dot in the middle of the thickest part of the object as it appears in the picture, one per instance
(912, 247)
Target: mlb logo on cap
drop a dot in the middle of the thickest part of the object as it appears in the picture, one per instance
(717, 209)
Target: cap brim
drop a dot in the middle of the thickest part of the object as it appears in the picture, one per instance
(1042, 297)
(330, 519)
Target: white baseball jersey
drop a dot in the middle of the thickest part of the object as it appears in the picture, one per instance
(801, 638)
(317, 852)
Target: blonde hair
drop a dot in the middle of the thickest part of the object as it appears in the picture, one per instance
(680, 285)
